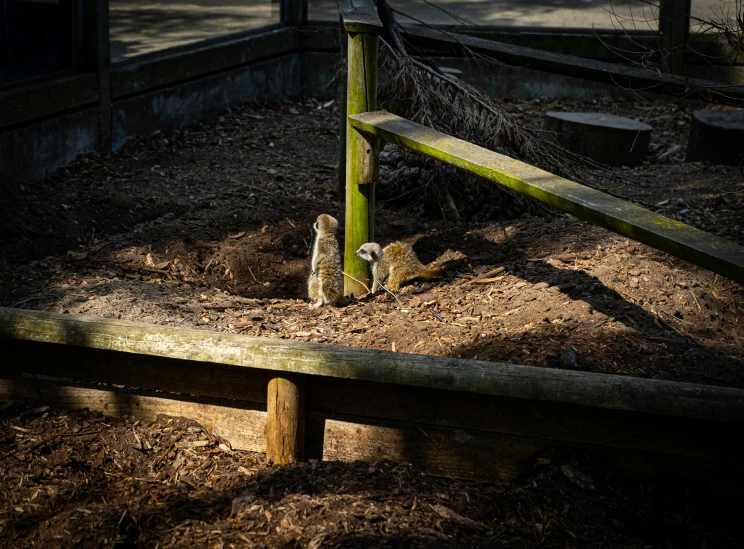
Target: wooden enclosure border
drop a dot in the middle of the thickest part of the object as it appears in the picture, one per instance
(296, 400)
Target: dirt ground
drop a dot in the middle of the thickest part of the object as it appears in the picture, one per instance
(80, 479)
(210, 226)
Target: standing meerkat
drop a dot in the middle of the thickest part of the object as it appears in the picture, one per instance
(325, 286)
(394, 265)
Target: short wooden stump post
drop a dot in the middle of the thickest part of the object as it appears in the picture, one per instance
(606, 138)
(716, 137)
(285, 422)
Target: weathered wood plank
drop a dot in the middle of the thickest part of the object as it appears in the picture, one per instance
(699, 247)
(609, 73)
(359, 16)
(285, 424)
(469, 454)
(490, 378)
(362, 165)
(138, 75)
(243, 428)
(589, 43)
(586, 43)
(455, 453)
(549, 421)
(43, 98)
(136, 371)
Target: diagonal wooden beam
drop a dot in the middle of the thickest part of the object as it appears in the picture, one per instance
(699, 247)
(630, 77)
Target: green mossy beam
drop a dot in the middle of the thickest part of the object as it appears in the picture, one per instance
(362, 153)
(699, 247)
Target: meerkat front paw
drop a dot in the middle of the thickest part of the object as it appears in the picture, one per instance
(316, 305)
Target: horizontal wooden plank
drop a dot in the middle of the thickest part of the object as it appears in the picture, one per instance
(551, 421)
(455, 453)
(478, 455)
(509, 380)
(699, 247)
(243, 428)
(168, 67)
(137, 371)
(46, 97)
(595, 44)
(360, 16)
(627, 76)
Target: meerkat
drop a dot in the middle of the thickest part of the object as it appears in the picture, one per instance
(394, 265)
(325, 285)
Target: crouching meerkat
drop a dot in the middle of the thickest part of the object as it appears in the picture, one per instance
(326, 283)
(394, 265)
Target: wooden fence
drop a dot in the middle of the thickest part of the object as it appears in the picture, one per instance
(364, 129)
(451, 417)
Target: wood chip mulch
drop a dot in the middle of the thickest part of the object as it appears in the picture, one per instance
(81, 479)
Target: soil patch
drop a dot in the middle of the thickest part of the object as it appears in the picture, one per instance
(210, 227)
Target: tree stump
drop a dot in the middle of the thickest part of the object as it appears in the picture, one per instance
(716, 137)
(606, 138)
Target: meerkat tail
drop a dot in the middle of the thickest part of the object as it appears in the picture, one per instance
(431, 273)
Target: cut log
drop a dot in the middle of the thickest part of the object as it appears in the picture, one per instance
(716, 137)
(609, 139)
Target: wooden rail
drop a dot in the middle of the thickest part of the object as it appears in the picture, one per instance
(633, 78)
(315, 359)
(699, 247)
(458, 418)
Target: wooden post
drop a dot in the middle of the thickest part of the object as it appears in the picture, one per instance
(362, 152)
(285, 421)
(362, 24)
(674, 26)
(342, 118)
(291, 12)
(94, 54)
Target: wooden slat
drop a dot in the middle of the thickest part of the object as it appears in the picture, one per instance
(243, 428)
(542, 384)
(136, 371)
(359, 16)
(44, 98)
(589, 43)
(181, 64)
(550, 421)
(609, 73)
(455, 453)
(583, 42)
(468, 454)
(699, 247)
